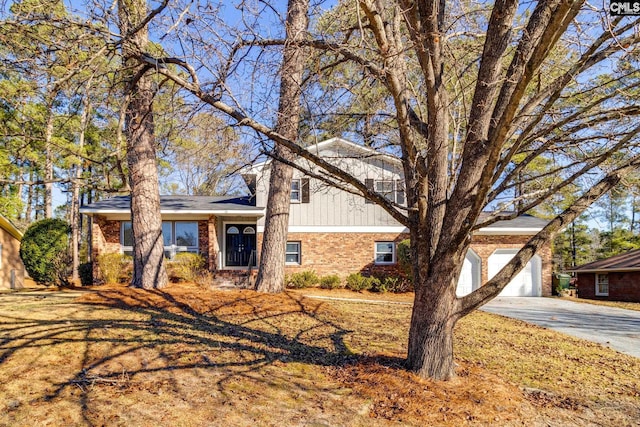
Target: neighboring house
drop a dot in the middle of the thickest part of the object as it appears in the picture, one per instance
(331, 231)
(616, 278)
(11, 267)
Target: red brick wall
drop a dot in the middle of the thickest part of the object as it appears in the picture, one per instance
(484, 246)
(345, 253)
(623, 286)
(340, 253)
(106, 239)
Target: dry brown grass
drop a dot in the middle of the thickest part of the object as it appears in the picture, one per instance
(192, 357)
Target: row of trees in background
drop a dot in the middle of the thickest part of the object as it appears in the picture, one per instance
(62, 104)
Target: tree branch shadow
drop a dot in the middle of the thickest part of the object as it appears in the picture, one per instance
(233, 338)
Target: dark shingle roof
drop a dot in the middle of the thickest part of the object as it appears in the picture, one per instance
(202, 204)
(622, 262)
(522, 221)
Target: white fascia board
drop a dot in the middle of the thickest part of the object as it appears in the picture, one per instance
(606, 270)
(249, 212)
(342, 229)
(512, 231)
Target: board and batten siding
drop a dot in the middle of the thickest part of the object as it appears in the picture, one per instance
(329, 206)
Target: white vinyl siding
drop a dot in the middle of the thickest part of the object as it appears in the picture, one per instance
(329, 206)
(602, 284)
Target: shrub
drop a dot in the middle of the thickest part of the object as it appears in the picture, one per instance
(377, 285)
(85, 271)
(114, 267)
(303, 279)
(357, 282)
(186, 266)
(404, 256)
(330, 282)
(45, 251)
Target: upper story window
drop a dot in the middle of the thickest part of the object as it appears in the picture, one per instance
(392, 190)
(602, 284)
(296, 194)
(300, 190)
(177, 236)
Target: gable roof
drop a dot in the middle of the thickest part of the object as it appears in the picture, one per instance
(628, 261)
(10, 228)
(341, 143)
(523, 224)
(211, 205)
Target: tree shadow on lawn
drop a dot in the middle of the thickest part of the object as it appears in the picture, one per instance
(157, 337)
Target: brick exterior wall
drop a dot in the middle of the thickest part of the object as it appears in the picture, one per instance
(345, 253)
(484, 246)
(341, 253)
(623, 286)
(326, 253)
(105, 235)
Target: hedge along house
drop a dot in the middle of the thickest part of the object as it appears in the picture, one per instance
(616, 278)
(331, 231)
(11, 267)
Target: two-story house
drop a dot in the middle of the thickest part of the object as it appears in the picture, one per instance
(330, 230)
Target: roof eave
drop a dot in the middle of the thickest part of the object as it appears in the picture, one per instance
(606, 270)
(516, 231)
(10, 228)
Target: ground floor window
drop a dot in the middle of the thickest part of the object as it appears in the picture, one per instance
(385, 253)
(602, 284)
(178, 236)
(293, 254)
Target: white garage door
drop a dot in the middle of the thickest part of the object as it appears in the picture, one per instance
(469, 279)
(527, 283)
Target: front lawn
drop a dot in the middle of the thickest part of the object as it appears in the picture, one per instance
(186, 356)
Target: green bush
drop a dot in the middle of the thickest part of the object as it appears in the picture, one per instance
(186, 266)
(331, 282)
(85, 271)
(404, 256)
(303, 279)
(114, 267)
(357, 282)
(45, 251)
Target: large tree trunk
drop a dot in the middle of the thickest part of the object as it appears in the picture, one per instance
(75, 185)
(271, 271)
(434, 315)
(48, 164)
(148, 246)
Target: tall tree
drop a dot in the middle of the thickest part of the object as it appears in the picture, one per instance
(271, 271)
(583, 117)
(148, 248)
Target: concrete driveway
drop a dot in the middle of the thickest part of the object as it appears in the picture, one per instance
(612, 327)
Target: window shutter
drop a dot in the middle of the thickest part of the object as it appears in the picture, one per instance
(369, 184)
(400, 197)
(306, 196)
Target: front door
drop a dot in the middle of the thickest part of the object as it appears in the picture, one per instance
(240, 245)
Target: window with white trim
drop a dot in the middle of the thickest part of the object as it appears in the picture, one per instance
(177, 236)
(293, 253)
(385, 253)
(392, 190)
(296, 191)
(602, 284)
